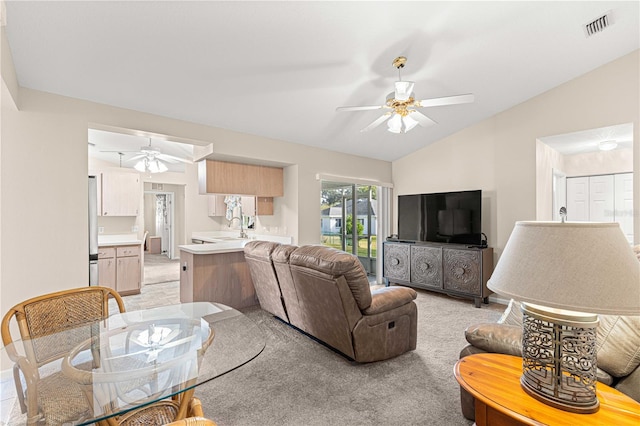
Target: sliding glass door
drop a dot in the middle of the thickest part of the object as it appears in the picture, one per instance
(342, 229)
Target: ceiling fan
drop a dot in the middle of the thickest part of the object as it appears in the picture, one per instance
(401, 104)
(151, 159)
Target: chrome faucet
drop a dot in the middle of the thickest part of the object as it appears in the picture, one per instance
(242, 233)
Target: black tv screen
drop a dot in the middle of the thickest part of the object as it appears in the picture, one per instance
(445, 217)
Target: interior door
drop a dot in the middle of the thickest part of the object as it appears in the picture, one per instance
(601, 203)
(578, 199)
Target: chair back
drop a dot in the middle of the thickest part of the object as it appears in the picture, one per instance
(41, 317)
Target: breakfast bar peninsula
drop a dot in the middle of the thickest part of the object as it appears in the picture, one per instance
(214, 270)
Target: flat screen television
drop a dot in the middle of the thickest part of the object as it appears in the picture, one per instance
(445, 217)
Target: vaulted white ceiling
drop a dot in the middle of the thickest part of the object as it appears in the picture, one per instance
(279, 69)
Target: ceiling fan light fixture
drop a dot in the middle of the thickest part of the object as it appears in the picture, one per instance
(156, 166)
(395, 124)
(409, 123)
(151, 166)
(404, 90)
(141, 165)
(607, 145)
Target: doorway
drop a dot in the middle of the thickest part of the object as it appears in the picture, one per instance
(159, 222)
(344, 230)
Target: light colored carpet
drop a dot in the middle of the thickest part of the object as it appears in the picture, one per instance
(297, 381)
(159, 268)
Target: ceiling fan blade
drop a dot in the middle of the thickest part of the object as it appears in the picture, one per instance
(422, 119)
(120, 151)
(447, 100)
(360, 108)
(136, 157)
(173, 158)
(376, 123)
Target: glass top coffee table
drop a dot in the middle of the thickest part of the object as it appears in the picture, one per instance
(137, 358)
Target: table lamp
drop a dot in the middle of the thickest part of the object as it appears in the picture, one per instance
(566, 273)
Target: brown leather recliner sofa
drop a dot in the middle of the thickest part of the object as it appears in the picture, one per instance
(325, 293)
(618, 349)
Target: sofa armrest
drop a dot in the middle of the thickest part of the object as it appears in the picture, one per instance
(388, 298)
(499, 338)
(630, 385)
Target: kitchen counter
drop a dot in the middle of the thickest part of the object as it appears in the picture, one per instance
(118, 240)
(215, 247)
(226, 242)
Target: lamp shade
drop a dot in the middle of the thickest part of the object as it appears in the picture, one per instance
(577, 266)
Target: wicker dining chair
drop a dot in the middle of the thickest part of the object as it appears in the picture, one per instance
(196, 416)
(164, 413)
(38, 319)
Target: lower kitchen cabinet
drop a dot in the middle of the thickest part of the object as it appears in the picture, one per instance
(119, 268)
(107, 267)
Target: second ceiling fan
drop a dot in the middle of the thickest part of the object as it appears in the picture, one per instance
(401, 105)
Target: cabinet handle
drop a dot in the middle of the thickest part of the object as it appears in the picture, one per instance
(395, 262)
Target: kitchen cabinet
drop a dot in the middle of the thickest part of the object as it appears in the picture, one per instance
(107, 267)
(257, 206)
(119, 268)
(121, 194)
(221, 277)
(217, 207)
(219, 177)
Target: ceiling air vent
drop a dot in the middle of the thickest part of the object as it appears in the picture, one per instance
(598, 24)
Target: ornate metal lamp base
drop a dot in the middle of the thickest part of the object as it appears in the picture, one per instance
(559, 358)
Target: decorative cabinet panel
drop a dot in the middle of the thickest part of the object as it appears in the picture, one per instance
(396, 261)
(426, 265)
(462, 270)
(447, 268)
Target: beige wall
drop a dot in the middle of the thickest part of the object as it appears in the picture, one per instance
(43, 185)
(498, 155)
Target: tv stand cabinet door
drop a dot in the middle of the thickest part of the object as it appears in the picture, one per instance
(396, 261)
(426, 266)
(463, 271)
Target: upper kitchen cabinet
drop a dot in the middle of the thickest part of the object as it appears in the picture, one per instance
(121, 194)
(217, 206)
(219, 177)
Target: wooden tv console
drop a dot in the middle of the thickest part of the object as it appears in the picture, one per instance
(454, 269)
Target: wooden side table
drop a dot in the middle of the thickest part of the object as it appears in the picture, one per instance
(494, 382)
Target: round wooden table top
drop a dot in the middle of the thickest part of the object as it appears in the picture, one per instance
(494, 379)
